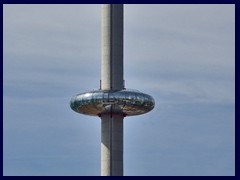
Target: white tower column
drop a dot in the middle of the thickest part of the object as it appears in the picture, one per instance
(112, 145)
(112, 79)
(112, 47)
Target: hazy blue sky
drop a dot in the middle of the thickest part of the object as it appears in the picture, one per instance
(182, 55)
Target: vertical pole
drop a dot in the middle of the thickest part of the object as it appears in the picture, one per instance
(112, 47)
(112, 145)
(112, 79)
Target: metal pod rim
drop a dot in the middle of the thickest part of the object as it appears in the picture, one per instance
(127, 102)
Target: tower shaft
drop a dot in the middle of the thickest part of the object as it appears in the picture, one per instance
(112, 47)
(112, 79)
(112, 145)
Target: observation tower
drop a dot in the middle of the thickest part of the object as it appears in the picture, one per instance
(112, 102)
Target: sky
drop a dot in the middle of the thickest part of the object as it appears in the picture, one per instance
(182, 55)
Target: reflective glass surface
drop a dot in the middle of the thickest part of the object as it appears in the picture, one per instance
(127, 102)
